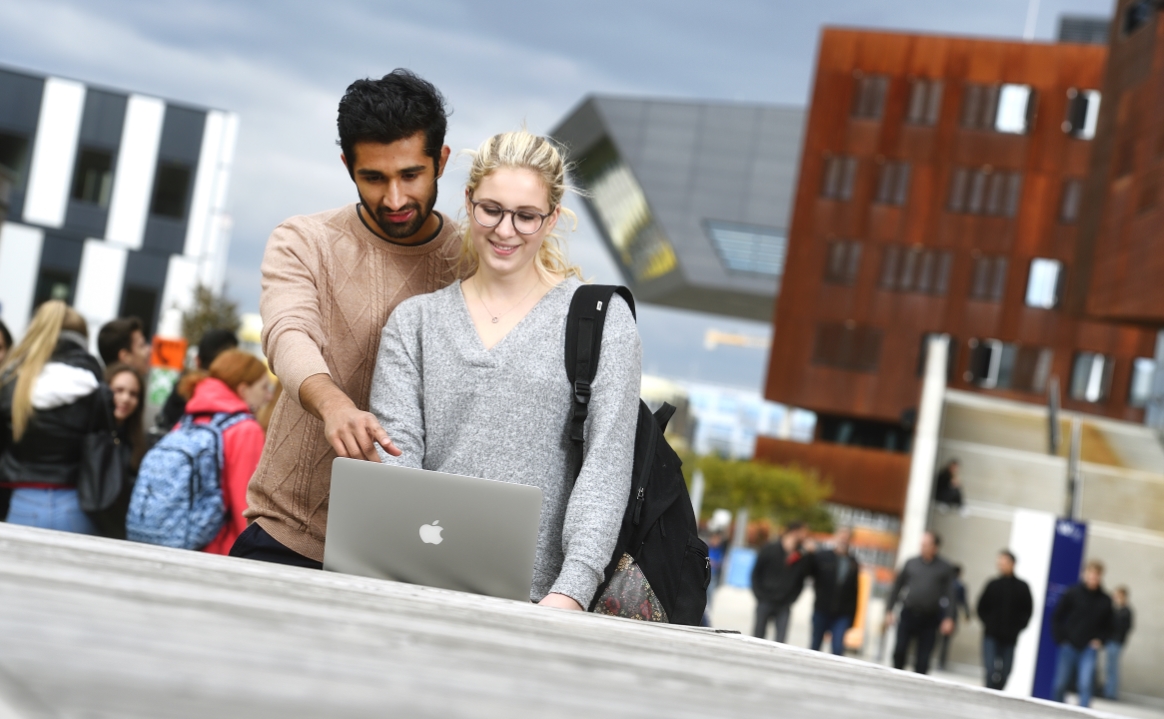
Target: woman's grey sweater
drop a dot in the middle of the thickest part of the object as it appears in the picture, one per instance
(451, 405)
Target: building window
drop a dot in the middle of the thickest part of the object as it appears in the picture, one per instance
(1070, 200)
(998, 108)
(1082, 113)
(93, 176)
(925, 102)
(869, 96)
(893, 183)
(1140, 389)
(844, 261)
(53, 285)
(749, 248)
(985, 191)
(171, 190)
(1044, 283)
(989, 281)
(1091, 376)
(916, 269)
(1137, 15)
(1006, 365)
(847, 346)
(839, 177)
(1149, 192)
(14, 155)
(140, 302)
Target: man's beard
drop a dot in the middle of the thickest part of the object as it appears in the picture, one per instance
(398, 230)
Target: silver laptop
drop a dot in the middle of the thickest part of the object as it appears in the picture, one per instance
(439, 530)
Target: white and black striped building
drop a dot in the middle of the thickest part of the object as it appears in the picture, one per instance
(118, 203)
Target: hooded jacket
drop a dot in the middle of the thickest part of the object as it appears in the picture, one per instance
(66, 403)
(242, 445)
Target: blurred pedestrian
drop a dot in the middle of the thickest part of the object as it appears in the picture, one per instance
(778, 578)
(1005, 608)
(928, 605)
(948, 486)
(5, 341)
(237, 382)
(961, 608)
(834, 575)
(128, 389)
(330, 281)
(1114, 648)
(123, 341)
(213, 343)
(1080, 624)
(49, 401)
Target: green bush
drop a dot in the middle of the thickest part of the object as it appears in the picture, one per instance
(779, 493)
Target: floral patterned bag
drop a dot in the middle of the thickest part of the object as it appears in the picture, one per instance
(629, 595)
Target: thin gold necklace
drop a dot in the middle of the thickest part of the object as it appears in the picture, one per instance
(496, 318)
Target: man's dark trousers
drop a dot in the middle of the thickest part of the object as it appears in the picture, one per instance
(920, 627)
(997, 659)
(769, 611)
(255, 543)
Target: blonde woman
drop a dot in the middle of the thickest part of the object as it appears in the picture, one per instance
(471, 379)
(49, 400)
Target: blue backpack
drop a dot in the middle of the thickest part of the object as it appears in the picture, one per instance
(177, 500)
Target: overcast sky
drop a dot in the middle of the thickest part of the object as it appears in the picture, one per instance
(283, 64)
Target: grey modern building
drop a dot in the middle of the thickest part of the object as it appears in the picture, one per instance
(117, 200)
(693, 200)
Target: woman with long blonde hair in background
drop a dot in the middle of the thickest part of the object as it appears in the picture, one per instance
(49, 400)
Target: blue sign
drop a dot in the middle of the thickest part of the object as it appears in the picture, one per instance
(1066, 564)
(740, 563)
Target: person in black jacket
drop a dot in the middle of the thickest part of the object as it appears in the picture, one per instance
(1005, 608)
(50, 399)
(927, 584)
(1080, 624)
(778, 578)
(212, 344)
(834, 579)
(1121, 627)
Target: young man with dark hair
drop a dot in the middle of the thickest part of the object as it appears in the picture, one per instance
(213, 343)
(1080, 624)
(778, 578)
(1121, 627)
(330, 280)
(123, 341)
(1005, 608)
(928, 584)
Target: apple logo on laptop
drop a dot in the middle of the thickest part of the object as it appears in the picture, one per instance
(431, 533)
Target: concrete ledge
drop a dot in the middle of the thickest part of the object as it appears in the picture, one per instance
(100, 628)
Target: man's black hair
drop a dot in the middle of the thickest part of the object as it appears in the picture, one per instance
(213, 343)
(115, 336)
(1008, 553)
(937, 537)
(6, 335)
(395, 107)
(793, 526)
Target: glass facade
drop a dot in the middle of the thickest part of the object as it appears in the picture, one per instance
(746, 248)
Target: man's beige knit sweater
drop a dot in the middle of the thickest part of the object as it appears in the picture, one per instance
(329, 285)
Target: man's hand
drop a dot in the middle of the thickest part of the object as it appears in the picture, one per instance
(947, 627)
(1096, 644)
(350, 431)
(561, 601)
(890, 620)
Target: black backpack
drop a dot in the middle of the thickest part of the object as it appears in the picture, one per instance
(659, 529)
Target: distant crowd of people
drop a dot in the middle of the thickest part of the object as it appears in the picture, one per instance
(72, 423)
(928, 597)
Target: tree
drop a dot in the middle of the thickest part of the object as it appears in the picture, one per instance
(779, 493)
(209, 311)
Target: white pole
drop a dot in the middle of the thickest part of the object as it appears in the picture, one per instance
(1032, 20)
(925, 450)
(697, 485)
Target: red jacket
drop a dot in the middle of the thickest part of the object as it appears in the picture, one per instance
(242, 446)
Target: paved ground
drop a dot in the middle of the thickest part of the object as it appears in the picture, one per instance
(96, 628)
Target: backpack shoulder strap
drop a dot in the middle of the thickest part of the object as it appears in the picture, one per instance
(584, 325)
